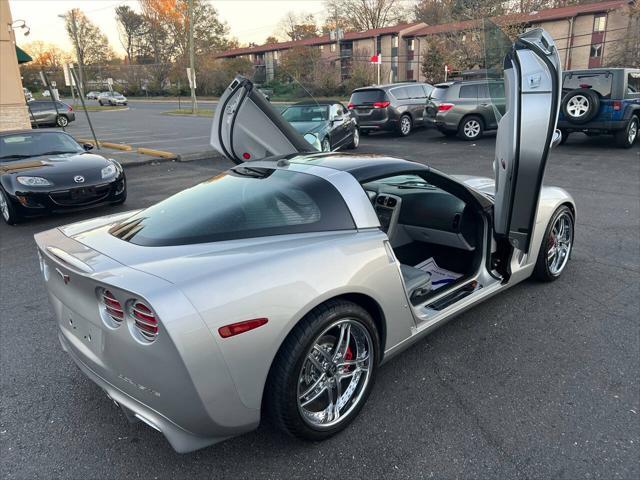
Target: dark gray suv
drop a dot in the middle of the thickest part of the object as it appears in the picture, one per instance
(397, 107)
(466, 108)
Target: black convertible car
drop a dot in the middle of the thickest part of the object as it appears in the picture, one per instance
(48, 171)
(329, 121)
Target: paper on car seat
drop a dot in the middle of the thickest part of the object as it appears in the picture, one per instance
(439, 276)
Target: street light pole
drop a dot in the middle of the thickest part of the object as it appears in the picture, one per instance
(192, 80)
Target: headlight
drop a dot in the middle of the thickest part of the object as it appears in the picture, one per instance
(108, 171)
(34, 181)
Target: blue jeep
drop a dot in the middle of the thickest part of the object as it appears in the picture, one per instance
(601, 101)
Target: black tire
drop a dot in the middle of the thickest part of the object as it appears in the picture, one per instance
(281, 395)
(62, 121)
(580, 105)
(405, 125)
(8, 214)
(100, 102)
(626, 137)
(471, 128)
(541, 271)
(355, 141)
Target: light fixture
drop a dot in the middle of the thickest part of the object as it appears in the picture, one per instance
(22, 25)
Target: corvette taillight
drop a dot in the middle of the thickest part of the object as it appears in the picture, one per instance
(144, 320)
(112, 307)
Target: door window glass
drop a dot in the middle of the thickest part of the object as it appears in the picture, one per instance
(633, 82)
(416, 91)
(469, 91)
(401, 93)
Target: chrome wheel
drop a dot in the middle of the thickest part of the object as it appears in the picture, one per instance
(471, 128)
(405, 125)
(633, 132)
(4, 206)
(559, 244)
(335, 374)
(578, 106)
(62, 121)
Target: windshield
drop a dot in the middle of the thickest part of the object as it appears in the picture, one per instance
(244, 202)
(24, 145)
(306, 113)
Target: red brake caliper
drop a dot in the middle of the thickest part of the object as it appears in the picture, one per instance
(348, 355)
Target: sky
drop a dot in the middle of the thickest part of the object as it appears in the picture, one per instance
(248, 20)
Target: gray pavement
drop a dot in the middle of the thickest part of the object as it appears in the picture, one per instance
(539, 382)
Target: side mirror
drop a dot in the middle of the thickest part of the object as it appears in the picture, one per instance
(87, 146)
(556, 138)
(313, 140)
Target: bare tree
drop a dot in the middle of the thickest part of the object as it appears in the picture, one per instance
(358, 15)
(131, 27)
(295, 26)
(92, 45)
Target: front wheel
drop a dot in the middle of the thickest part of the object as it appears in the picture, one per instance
(62, 121)
(324, 371)
(626, 137)
(100, 102)
(356, 139)
(7, 210)
(556, 246)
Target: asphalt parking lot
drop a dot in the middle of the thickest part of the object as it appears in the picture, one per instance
(539, 382)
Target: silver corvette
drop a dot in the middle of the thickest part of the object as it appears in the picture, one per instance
(278, 288)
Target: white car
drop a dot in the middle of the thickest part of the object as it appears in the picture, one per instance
(112, 98)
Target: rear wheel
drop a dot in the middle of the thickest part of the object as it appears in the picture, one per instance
(471, 128)
(626, 137)
(556, 246)
(580, 105)
(405, 125)
(62, 121)
(324, 371)
(7, 210)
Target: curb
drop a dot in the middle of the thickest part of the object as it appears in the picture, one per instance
(191, 157)
(157, 153)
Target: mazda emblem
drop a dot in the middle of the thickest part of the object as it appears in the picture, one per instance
(78, 179)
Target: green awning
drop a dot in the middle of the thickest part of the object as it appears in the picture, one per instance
(23, 57)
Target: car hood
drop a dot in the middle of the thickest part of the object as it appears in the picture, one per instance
(58, 168)
(310, 127)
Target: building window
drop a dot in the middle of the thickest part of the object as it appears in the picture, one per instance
(600, 23)
(378, 44)
(410, 44)
(322, 48)
(394, 41)
(333, 47)
(409, 74)
(275, 55)
(596, 50)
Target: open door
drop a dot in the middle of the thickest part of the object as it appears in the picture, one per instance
(247, 127)
(526, 131)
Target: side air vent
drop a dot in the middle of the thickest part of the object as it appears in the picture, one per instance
(391, 202)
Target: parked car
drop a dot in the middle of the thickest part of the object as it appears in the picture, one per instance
(46, 93)
(466, 108)
(44, 113)
(277, 289)
(28, 96)
(398, 107)
(112, 98)
(602, 101)
(48, 171)
(92, 95)
(329, 121)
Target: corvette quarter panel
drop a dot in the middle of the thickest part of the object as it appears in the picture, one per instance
(291, 278)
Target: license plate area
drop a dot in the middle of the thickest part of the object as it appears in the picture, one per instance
(84, 331)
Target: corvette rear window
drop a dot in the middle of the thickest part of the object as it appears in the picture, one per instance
(243, 202)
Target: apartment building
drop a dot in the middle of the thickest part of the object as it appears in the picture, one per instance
(585, 35)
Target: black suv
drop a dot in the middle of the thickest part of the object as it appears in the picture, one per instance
(601, 101)
(396, 107)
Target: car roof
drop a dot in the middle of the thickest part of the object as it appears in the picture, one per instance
(313, 102)
(362, 167)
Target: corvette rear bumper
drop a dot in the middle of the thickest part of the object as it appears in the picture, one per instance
(181, 440)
